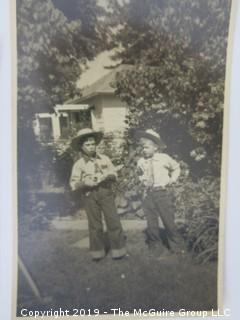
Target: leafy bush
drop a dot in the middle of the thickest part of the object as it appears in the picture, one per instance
(198, 202)
(114, 145)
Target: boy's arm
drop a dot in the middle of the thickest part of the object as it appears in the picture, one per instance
(75, 179)
(175, 170)
(111, 173)
(142, 174)
(140, 170)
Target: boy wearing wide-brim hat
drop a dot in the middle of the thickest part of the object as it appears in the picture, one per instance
(157, 171)
(93, 174)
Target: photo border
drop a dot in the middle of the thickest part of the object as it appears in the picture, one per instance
(235, 6)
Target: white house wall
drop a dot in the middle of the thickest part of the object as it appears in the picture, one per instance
(97, 114)
(109, 113)
(114, 114)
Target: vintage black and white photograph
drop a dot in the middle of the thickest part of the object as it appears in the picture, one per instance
(120, 112)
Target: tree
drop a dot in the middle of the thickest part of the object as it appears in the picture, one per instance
(52, 50)
(53, 47)
(177, 86)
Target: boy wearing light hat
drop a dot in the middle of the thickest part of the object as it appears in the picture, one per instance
(157, 171)
(94, 174)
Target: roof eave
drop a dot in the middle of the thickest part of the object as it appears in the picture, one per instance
(92, 95)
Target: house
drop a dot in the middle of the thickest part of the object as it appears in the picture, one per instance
(98, 107)
(109, 112)
(62, 122)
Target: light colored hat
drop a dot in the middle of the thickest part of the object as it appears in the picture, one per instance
(83, 134)
(151, 135)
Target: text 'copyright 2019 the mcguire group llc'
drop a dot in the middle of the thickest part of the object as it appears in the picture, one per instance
(117, 312)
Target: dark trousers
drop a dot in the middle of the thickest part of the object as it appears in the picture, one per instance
(101, 201)
(157, 203)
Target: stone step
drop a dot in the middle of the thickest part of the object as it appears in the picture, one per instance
(70, 223)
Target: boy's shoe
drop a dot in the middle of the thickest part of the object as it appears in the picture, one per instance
(97, 259)
(155, 249)
(160, 253)
(118, 254)
(165, 255)
(119, 258)
(177, 248)
(124, 256)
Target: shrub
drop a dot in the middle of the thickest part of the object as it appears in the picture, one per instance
(198, 202)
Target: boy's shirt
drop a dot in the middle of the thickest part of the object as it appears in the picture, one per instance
(158, 171)
(91, 168)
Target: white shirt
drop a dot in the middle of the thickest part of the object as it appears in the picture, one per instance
(158, 171)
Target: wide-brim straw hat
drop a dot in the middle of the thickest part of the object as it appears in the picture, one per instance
(84, 134)
(150, 135)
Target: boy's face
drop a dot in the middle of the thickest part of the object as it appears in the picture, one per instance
(89, 147)
(148, 147)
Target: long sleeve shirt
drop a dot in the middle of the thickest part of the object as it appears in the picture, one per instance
(91, 168)
(158, 171)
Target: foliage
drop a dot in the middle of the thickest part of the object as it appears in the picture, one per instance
(198, 215)
(114, 146)
(53, 48)
(51, 52)
(39, 219)
(179, 53)
(202, 234)
(63, 157)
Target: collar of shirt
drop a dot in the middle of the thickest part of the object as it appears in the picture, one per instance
(88, 158)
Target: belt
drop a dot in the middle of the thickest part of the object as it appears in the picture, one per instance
(159, 189)
(101, 185)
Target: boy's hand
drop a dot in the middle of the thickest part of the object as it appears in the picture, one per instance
(105, 177)
(172, 182)
(147, 183)
(89, 182)
(78, 185)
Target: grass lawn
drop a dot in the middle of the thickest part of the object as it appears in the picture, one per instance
(67, 274)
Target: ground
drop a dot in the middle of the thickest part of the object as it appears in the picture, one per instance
(60, 264)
